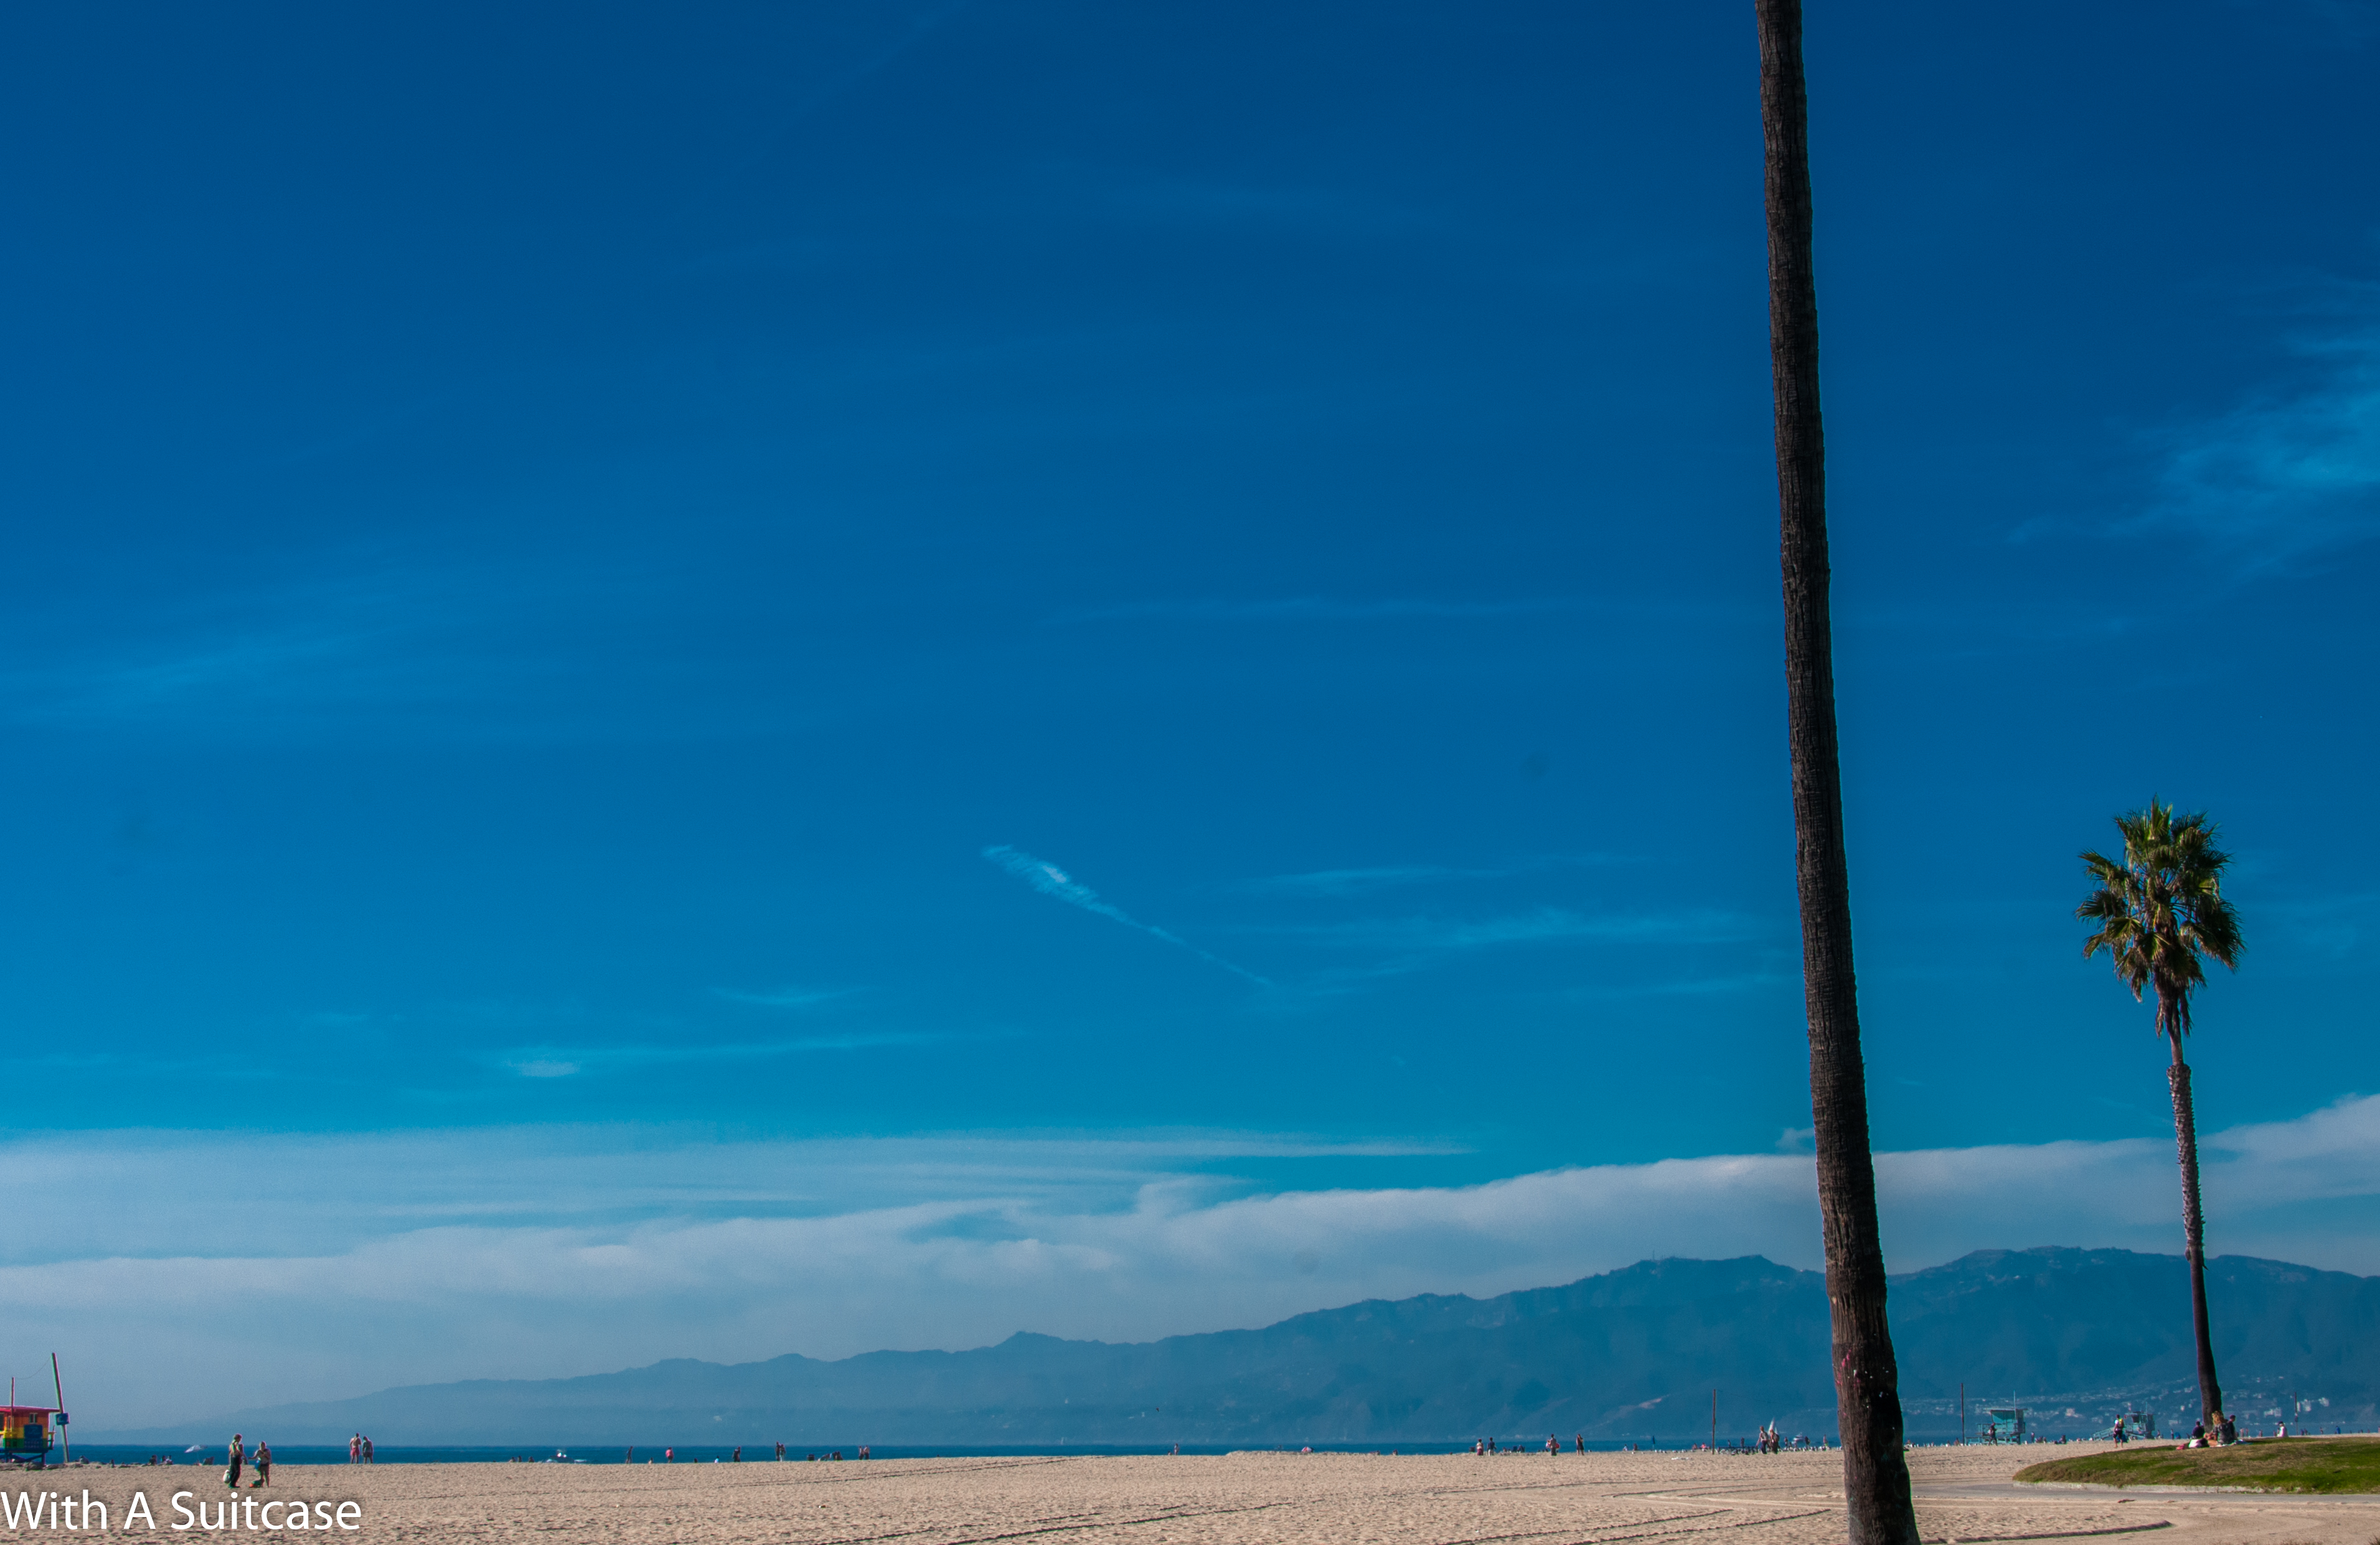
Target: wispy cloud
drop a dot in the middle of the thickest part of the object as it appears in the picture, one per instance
(368, 635)
(564, 1061)
(1544, 924)
(239, 653)
(1054, 882)
(1401, 946)
(2329, 932)
(2288, 474)
(545, 1068)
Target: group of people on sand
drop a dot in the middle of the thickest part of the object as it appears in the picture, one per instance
(359, 1451)
(1553, 1446)
(239, 1459)
(2216, 1431)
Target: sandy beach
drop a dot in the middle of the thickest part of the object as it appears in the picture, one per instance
(1344, 1499)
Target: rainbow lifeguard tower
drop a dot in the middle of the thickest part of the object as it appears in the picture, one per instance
(26, 1433)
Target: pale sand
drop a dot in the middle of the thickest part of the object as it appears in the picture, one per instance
(1343, 1499)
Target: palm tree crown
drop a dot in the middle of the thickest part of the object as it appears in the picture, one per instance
(2160, 910)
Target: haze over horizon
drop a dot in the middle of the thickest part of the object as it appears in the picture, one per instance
(2082, 1336)
(757, 680)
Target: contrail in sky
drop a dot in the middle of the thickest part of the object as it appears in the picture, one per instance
(1053, 882)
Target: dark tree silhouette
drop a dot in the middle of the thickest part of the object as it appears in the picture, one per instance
(2161, 913)
(1867, 1380)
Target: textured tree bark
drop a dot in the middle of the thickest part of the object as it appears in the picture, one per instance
(2193, 1231)
(1867, 1392)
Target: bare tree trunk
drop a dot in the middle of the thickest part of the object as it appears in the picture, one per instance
(1867, 1392)
(2193, 1231)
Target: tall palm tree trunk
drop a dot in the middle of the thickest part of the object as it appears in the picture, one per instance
(1867, 1392)
(2193, 1229)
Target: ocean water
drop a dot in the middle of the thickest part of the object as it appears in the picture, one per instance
(762, 1454)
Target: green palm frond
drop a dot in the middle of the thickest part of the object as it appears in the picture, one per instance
(2160, 911)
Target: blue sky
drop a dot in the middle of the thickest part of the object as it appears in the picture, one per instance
(1045, 579)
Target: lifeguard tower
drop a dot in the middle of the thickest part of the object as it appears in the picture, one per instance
(26, 1432)
(2007, 1425)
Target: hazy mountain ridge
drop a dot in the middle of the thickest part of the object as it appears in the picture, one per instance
(1629, 1354)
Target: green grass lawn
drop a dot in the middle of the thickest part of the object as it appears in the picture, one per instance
(2272, 1465)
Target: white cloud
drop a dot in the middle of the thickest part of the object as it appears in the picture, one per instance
(1057, 884)
(2288, 475)
(543, 1067)
(564, 1061)
(184, 1273)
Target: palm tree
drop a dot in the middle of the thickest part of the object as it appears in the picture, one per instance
(2161, 914)
(1868, 1377)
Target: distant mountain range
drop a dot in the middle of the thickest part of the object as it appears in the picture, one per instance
(2077, 1335)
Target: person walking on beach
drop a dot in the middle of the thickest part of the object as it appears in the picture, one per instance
(356, 1449)
(367, 1448)
(263, 1463)
(238, 1457)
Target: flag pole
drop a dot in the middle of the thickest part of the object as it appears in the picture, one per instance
(66, 1448)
